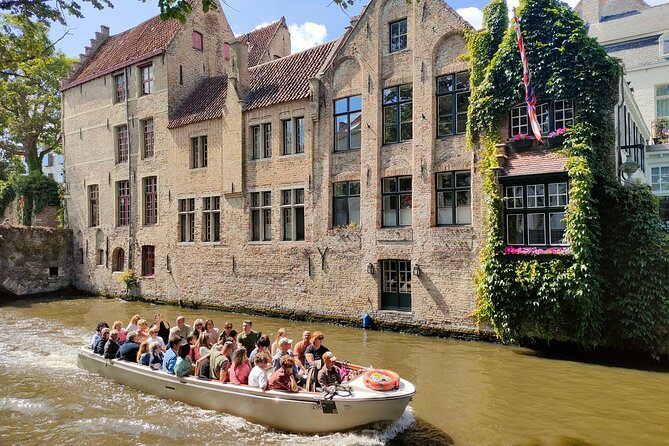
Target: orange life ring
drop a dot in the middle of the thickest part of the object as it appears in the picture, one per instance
(379, 379)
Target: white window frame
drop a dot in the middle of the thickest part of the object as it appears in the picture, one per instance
(522, 223)
(533, 196)
(557, 194)
(563, 114)
(664, 46)
(527, 224)
(512, 195)
(550, 233)
(656, 174)
(660, 97)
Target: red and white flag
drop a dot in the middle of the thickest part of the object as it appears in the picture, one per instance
(530, 97)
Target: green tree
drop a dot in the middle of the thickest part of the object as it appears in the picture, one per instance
(29, 96)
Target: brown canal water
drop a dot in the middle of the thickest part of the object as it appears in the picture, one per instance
(468, 393)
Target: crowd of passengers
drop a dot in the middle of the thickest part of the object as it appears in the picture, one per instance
(206, 352)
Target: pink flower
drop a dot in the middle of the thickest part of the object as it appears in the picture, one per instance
(532, 251)
(558, 132)
(521, 136)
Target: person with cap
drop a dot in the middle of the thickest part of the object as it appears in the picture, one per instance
(329, 374)
(248, 337)
(285, 348)
(170, 359)
(181, 325)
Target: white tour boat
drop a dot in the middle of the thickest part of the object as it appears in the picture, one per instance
(302, 412)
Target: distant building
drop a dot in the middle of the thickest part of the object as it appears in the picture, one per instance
(52, 166)
(638, 34)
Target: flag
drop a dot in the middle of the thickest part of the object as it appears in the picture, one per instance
(530, 97)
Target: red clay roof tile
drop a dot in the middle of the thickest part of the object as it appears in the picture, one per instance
(533, 162)
(259, 39)
(205, 102)
(144, 40)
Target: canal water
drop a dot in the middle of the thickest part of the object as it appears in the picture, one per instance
(468, 393)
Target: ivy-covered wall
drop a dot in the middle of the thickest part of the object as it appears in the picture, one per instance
(613, 289)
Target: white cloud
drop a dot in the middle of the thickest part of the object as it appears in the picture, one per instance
(473, 15)
(656, 2)
(262, 25)
(306, 35)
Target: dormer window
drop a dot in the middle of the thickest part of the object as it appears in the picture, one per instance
(552, 115)
(664, 46)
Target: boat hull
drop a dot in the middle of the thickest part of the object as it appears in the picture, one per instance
(303, 412)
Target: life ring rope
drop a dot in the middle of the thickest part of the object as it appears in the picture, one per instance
(381, 379)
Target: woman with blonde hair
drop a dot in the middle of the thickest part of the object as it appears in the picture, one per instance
(142, 330)
(132, 326)
(118, 326)
(282, 333)
(143, 348)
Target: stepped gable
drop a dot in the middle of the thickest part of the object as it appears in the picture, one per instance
(618, 7)
(259, 39)
(286, 79)
(205, 102)
(134, 45)
(533, 162)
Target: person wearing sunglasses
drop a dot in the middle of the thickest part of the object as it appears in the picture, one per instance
(316, 350)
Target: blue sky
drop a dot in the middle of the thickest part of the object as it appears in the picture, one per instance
(311, 22)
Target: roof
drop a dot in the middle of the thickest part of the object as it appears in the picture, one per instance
(205, 102)
(141, 42)
(535, 162)
(286, 79)
(646, 22)
(259, 39)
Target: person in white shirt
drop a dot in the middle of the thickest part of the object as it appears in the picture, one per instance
(258, 376)
(153, 337)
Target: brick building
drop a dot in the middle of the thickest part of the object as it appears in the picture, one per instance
(228, 172)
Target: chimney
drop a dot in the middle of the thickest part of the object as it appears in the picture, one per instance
(239, 67)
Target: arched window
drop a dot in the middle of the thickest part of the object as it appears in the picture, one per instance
(664, 45)
(118, 259)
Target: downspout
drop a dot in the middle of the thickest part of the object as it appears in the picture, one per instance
(127, 123)
(619, 106)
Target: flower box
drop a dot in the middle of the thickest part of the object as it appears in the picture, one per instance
(533, 251)
(521, 143)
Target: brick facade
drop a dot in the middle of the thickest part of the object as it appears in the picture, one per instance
(327, 273)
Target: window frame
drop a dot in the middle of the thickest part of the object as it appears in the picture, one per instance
(661, 97)
(267, 140)
(186, 213)
(261, 205)
(664, 46)
(659, 182)
(199, 152)
(454, 189)
(396, 104)
(398, 25)
(122, 203)
(93, 205)
(347, 199)
(122, 147)
(525, 213)
(292, 201)
(395, 299)
(198, 41)
(519, 113)
(120, 89)
(398, 193)
(299, 134)
(287, 136)
(148, 260)
(211, 219)
(347, 113)
(146, 83)
(150, 195)
(453, 93)
(148, 138)
(118, 260)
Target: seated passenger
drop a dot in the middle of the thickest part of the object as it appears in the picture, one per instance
(183, 366)
(285, 348)
(203, 344)
(98, 334)
(129, 349)
(300, 348)
(261, 346)
(132, 326)
(258, 376)
(219, 361)
(315, 351)
(111, 346)
(100, 346)
(240, 369)
(194, 353)
(212, 332)
(154, 337)
(329, 373)
(143, 349)
(142, 330)
(122, 333)
(282, 333)
(283, 378)
(170, 358)
(154, 357)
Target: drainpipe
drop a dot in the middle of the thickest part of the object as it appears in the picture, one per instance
(127, 123)
(617, 109)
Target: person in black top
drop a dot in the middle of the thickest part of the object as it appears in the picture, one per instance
(315, 351)
(130, 348)
(163, 327)
(111, 346)
(100, 345)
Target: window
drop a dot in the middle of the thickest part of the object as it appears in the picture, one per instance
(261, 216)
(119, 87)
(397, 201)
(659, 179)
(535, 213)
(122, 144)
(197, 40)
(398, 35)
(299, 135)
(396, 285)
(347, 120)
(287, 125)
(255, 134)
(150, 200)
(147, 140)
(199, 152)
(123, 203)
(550, 115)
(397, 114)
(148, 260)
(187, 220)
(211, 219)
(147, 79)
(664, 45)
(292, 214)
(454, 198)
(452, 103)
(346, 199)
(93, 205)
(118, 260)
(267, 140)
(662, 100)
(100, 258)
